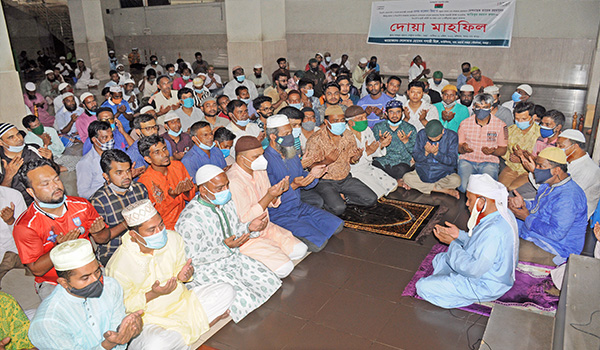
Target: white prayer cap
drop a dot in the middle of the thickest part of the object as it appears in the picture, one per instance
(62, 58)
(128, 81)
(492, 90)
(527, 88)
(170, 116)
(80, 60)
(111, 51)
(146, 109)
(85, 95)
(62, 86)
(258, 66)
(134, 48)
(67, 94)
(115, 89)
(198, 81)
(207, 172)
(72, 254)
(49, 71)
(277, 120)
(30, 86)
(467, 88)
(120, 65)
(319, 54)
(139, 212)
(363, 60)
(573, 134)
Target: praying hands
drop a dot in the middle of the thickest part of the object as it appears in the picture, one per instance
(446, 234)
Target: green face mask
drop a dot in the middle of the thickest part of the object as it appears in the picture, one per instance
(360, 126)
(38, 130)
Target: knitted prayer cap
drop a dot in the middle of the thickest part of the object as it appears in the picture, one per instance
(139, 212)
(354, 111)
(246, 143)
(71, 255)
(393, 104)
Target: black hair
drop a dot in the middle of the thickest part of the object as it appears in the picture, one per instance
(522, 107)
(394, 77)
(64, 274)
(142, 118)
(32, 165)
(233, 104)
(169, 66)
(281, 59)
(540, 111)
(28, 119)
(331, 84)
(278, 75)
(161, 78)
(184, 91)
(112, 71)
(104, 109)
(96, 126)
(342, 77)
(239, 89)
(307, 109)
(557, 116)
(292, 113)
(224, 134)
(105, 91)
(374, 76)
(299, 74)
(416, 84)
(465, 64)
(113, 155)
(198, 53)
(294, 92)
(197, 126)
(303, 82)
(146, 142)
(562, 167)
(334, 66)
(150, 72)
(220, 97)
(260, 100)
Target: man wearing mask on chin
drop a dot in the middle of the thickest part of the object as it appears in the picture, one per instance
(51, 220)
(239, 79)
(90, 105)
(553, 225)
(451, 112)
(14, 153)
(252, 194)
(240, 122)
(204, 150)
(89, 172)
(151, 267)
(480, 264)
(334, 145)
(522, 138)
(180, 141)
(64, 320)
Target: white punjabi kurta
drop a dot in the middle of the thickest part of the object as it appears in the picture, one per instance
(204, 228)
(376, 179)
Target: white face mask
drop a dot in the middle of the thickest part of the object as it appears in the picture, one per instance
(474, 215)
(259, 163)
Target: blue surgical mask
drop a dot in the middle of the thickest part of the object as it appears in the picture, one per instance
(226, 152)
(542, 175)
(297, 105)
(16, 149)
(310, 93)
(174, 133)
(523, 125)
(240, 78)
(45, 205)
(394, 124)
(205, 147)
(221, 198)
(113, 126)
(482, 113)
(285, 141)
(546, 132)
(199, 91)
(296, 132)
(245, 100)
(172, 74)
(157, 240)
(516, 97)
(242, 122)
(188, 102)
(338, 128)
(90, 112)
(185, 77)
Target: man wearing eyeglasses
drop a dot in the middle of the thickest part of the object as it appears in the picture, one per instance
(145, 125)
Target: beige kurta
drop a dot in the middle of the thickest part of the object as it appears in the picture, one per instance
(275, 244)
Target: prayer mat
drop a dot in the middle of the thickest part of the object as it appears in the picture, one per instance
(406, 220)
(531, 280)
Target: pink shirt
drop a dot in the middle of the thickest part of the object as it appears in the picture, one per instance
(179, 83)
(42, 112)
(494, 134)
(82, 124)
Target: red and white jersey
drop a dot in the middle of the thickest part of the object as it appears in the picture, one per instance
(35, 230)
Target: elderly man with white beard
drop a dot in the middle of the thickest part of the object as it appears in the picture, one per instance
(480, 264)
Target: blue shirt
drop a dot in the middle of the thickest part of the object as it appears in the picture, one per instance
(120, 142)
(108, 103)
(64, 321)
(136, 157)
(195, 158)
(379, 103)
(89, 174)
(460, 113)
(432, 168)
(460, 81)
(557, 217)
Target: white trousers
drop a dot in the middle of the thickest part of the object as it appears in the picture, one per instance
(215, 298)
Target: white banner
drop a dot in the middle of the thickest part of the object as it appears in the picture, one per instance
(442, 23)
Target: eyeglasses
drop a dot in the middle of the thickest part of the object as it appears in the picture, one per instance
(150, 128)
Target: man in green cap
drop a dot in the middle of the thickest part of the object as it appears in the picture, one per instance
(438, 82)
(436, 157)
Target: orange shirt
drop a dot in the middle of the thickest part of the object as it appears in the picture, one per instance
(158, 186)
(483, 83)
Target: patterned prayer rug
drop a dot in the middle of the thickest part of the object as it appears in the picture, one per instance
(396, 218)
(527, 293)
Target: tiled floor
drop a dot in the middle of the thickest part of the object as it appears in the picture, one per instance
(348, 297)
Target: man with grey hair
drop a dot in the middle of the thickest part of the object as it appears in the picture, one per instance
(311, 225)
(482, 139)
(499, 110)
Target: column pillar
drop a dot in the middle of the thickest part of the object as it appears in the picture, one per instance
(12, 106)
(593, 93)
(88, 34)
(255, 34)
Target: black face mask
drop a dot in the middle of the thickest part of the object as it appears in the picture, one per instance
(93, 290)
(466, 70)
(258, 75)
(315, 69)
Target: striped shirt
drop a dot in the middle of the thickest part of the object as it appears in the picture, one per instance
(476, 136)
